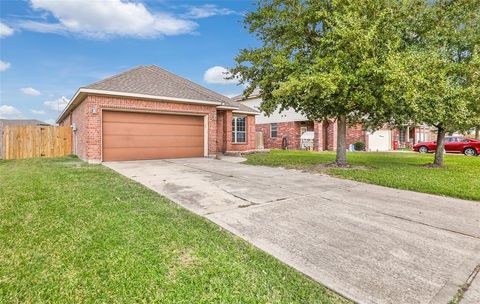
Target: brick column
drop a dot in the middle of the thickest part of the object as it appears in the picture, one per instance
(334, 126)
(318, 136)
(94, 129)
(228, 130)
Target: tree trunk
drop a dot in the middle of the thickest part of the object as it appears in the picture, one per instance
(341, 158)
(440, 147)
(477, 133)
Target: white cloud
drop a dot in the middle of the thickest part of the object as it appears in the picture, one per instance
(30, 91)
(42, 27)
(217, 74)
(102, 19)
(58, 104)
(207, 10)
(4, 66)
(9, 110)
(5, 30)
(38, 112)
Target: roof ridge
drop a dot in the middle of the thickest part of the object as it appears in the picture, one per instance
(175, 77)
(115, 75)
(192, 85)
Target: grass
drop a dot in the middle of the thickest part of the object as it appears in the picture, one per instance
(77, 233)
(459, 178)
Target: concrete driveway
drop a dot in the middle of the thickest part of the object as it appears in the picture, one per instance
(369, 243)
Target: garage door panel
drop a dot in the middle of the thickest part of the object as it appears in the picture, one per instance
(119, 154)
(119, 141)
(136, 136)
(146, 118)
(379, 141)
(150, 129)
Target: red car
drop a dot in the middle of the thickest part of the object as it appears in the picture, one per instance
(453, 144)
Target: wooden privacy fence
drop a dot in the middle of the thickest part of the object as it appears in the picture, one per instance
(35, 141)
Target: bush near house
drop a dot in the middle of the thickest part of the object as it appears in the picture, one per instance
(359, 146)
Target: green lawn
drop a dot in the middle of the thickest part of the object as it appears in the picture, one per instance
(77, 233)
(459, 178)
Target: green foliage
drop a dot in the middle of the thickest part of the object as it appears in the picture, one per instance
(435, 80)
(473, 89)
(370, 61)
(422, 88)
(324, 58)
(359, 146)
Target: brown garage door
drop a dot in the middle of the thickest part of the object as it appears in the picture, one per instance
(133, 136)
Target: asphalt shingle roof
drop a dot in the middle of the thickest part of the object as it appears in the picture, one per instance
(254, 94)
(155, 81)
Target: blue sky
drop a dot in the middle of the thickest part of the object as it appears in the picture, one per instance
(50, 48)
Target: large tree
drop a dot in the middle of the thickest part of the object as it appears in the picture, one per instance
(423, 88)
(435, 79)
(325, 58)
(474, 91)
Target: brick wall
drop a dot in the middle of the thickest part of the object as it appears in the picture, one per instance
(250, 133)
(221, 131)
(79, 140)
(326, 135)
(355, 133)
(89, 124)
(89, 145)
(290, 130)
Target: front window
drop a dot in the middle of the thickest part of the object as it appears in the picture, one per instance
(239, 129)
(273, 130)
(402, 135)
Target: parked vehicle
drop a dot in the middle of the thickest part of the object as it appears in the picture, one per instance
(453, 144)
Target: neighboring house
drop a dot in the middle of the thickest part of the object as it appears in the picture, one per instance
(17, 122)
(407, 136)
(148, 113)
(286, 127)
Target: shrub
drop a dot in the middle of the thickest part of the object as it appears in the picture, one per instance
(359, 146)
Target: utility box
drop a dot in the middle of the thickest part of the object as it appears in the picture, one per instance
(306, 140)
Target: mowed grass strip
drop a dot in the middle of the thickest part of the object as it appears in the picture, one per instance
(77, 233)
(459, 178)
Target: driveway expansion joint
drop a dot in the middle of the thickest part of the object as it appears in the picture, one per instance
(458, 297)
(429, 225)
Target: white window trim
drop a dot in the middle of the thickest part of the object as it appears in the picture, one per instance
(234, 130)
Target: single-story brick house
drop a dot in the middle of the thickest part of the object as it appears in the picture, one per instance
(149, 113)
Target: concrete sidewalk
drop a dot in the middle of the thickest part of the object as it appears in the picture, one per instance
(369, 243)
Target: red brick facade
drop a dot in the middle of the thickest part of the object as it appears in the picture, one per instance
(289, 130)
(355, 134)
(79, 140)
(88, 119)
(325, 134)
(230, 146)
